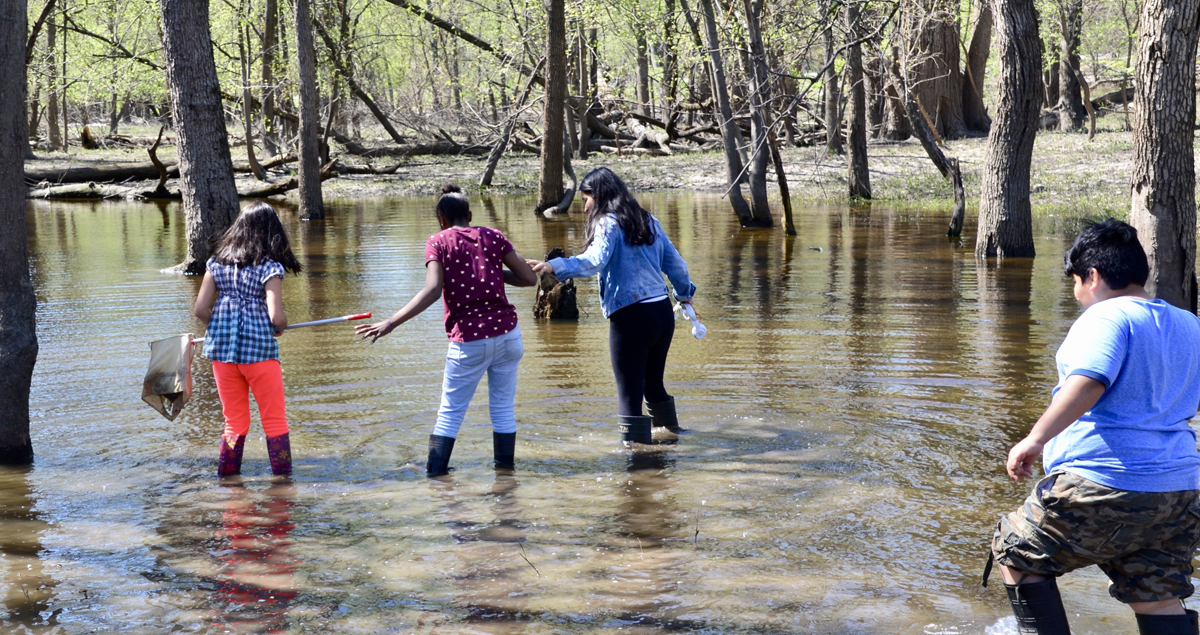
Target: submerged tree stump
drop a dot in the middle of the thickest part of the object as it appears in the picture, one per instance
(555, 298)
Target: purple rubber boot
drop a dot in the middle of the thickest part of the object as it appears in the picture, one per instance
(279, 450)
(230, 460)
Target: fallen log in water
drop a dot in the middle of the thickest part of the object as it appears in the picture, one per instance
(99, 173)
(97, 191)
(120, 172)
(555, 299)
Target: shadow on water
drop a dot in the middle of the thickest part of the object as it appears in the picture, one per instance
(29, 605)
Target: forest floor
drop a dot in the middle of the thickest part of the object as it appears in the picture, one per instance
(1071, 176)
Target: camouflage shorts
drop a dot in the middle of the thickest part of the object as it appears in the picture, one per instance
(1144, 541)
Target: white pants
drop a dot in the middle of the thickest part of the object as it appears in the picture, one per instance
(466, 362)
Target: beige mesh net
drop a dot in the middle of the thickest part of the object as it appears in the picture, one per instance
(168, 383)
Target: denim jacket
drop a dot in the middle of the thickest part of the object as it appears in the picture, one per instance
(628, 274)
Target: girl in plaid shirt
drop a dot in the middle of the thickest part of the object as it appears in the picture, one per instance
(245, 281)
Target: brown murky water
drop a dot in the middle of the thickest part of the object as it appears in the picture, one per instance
(852, 403)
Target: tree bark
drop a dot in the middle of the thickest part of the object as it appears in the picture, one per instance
(643, 68)
(1005, 219)
(247, 117)
(729, 130)
(1163, 205)
(56, 140)
(833, 115)
(1071, 113)
(585, 92)
(858, 176)
(210, 202)
(975, 116)
(270, 40)
(760, 98)
(18, 327)
(311, 205)
(935, 77)
(550, 178)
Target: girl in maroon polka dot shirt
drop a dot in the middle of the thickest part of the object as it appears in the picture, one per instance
(465, 265)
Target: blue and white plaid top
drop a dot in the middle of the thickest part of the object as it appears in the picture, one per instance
(240, 331)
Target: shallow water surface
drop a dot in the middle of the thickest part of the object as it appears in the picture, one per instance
(852, 407)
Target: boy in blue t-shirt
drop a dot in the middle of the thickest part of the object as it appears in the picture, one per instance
(1123, 472)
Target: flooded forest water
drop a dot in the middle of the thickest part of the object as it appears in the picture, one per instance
(852, 405)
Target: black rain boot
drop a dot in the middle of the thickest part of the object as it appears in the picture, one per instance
(1039, 608)
(635, 429)
(1185, 624)
(664, 416)
(504, 445)
(439, 455)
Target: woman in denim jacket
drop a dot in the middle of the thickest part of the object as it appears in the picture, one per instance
(627, 247)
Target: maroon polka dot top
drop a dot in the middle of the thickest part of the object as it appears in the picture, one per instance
(473, 291)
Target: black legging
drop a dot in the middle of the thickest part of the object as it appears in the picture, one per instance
(639, 337)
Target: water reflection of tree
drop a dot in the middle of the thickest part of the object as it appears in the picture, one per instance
(1002, 345)
(30, 589)
(254, 590)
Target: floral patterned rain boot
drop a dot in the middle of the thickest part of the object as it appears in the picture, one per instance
(230, 460)
(279, 450)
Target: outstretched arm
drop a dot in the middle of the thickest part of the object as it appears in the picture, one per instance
(518, 273)
(434, 275)
(588, 263)
(1078, 395)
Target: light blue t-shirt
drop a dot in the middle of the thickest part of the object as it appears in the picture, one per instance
(1136, 438)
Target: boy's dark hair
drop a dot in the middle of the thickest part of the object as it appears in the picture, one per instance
(1113, 250)
(453, 205)
(257, 234)
(613, 198)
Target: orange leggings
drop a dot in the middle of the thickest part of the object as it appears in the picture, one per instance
(234, 383)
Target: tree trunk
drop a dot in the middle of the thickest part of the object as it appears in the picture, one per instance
(832, 113)
(1163, 185)
(729, 129)
(668, 60)
(311, 205)
(1050, 82)
(1071, 113)
(858, 177)
(210, 200)
(52, 85)
(247, 118)
(643, 69)
(1005, 219)
(270, 40)
(895, 122)
(585, 92)
(18, 327)
(550, 178)
(935, 77)
(975, 116)
(876, 94)
(760, 98)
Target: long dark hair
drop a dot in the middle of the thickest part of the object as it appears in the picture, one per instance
(257, 234)
(611, 197)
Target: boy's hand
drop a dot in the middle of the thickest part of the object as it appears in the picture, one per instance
(1022, 457)
(374, 331)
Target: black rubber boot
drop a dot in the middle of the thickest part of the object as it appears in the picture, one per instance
(664, 416)
(635, 429)
(504, 446)
(439, 455)
(1185, 624)
(1039, 608)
